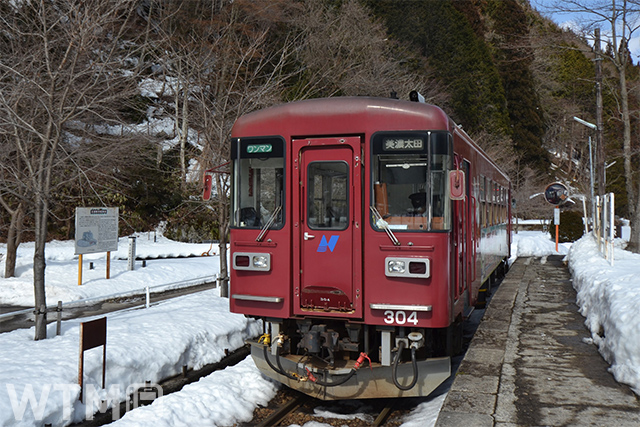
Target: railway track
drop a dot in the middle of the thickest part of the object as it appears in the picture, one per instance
(291, 407)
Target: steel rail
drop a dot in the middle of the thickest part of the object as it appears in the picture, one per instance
(281, 413)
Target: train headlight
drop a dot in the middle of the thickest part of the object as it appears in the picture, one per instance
(261, 261)
(396, 266)
(407, 267)
(251, 261)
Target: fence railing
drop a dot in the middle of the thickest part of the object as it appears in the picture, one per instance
(140, 291)
(604, 225)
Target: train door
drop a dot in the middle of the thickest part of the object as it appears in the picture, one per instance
(461, 238)
(327, 228)
(469, 253)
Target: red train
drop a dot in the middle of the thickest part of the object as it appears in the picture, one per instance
(363, 230)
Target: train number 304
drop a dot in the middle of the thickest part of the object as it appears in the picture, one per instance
(400, 317)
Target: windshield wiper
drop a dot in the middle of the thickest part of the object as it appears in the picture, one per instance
(381, 223)
(268, 224)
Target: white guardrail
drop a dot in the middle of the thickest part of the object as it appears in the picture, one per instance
(604, 225)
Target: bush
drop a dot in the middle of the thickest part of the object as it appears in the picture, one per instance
(571, 227)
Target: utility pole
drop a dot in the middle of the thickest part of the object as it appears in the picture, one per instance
(600, 160)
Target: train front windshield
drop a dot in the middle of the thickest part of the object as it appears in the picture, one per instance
(410, 185)
(258, 182)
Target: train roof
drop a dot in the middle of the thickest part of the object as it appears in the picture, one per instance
(342, 115)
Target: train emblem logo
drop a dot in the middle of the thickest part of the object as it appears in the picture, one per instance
(324, 244)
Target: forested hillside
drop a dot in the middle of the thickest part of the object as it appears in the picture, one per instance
(126, 103)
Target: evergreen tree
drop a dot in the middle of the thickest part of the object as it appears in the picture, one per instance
(513, 57)
(460, 59)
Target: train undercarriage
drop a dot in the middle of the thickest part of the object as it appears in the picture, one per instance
(330, 360)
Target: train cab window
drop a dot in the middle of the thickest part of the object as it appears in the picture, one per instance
(257, 182)
(327, 195)
(409, 172)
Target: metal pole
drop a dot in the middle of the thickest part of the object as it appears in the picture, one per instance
(598, 224)
(612, 215)
(586, 218)
(594, 127)
(556, 220)
(599, 110)
(593, 206)
(108, 264)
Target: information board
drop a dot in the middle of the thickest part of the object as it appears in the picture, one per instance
(96, 230)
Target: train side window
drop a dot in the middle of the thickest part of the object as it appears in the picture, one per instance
(257, 182)
(483, 214)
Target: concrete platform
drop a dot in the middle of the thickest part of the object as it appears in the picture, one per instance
(529, 363)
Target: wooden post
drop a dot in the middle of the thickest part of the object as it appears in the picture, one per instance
(80, 270)
(59, 320)
(108, 264)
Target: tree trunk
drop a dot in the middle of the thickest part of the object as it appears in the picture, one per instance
(39, 264)
(223, 231)
(634, 241)
(184, 134)
(13, 240)
(628, 171)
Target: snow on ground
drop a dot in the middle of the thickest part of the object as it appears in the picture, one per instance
(62, 269)
(609, 297)
(38, 379)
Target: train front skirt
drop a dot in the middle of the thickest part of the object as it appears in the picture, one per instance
(369, 382)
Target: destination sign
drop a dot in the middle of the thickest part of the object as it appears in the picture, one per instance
(398, 143)
(259, 148)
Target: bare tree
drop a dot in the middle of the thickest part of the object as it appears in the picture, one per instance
(622, 20)
(344, 51)
(12, 194)
(246, 73)
(61, 63)
(221, 60)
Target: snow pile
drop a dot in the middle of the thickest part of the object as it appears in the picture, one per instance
(223, 399)
(40, 377)
(609, 297)
(535, 243)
